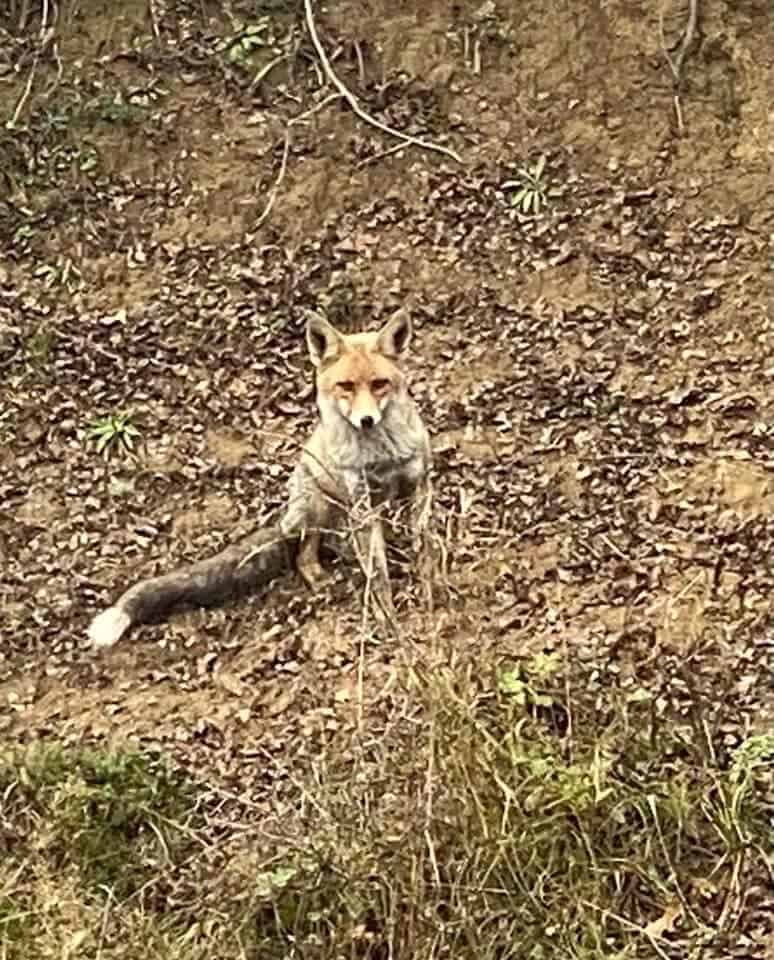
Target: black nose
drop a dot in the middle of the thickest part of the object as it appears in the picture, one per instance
(366, 422)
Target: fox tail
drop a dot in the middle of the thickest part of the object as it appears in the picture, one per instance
(252, 562)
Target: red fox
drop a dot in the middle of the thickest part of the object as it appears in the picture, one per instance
(370, 452)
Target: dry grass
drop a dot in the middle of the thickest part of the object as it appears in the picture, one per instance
(501, 818)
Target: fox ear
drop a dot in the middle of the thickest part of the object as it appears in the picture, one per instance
(322, 339)
(395, 335)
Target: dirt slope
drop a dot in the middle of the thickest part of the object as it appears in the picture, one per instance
(598, 379)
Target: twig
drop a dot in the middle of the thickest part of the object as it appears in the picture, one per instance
(352, 100)
(316, 67)
(42, 41)
(301, 118)
(277, 183)
(361, 651)
(668, 857)
(23, 14)
(477, 56)
(570, 734)
(396, 148)
(676, 62)
(342, 92)
(265, 69)
(629, 925)
(105, 918)
(360, 64)
(154, 19)
(678, 112)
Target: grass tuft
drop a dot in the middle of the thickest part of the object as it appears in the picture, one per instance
(116, 818)
(507, 817)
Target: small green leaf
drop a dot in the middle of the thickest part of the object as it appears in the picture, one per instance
(544, 665)
(542, 700)
(510, 684)
(282, 875)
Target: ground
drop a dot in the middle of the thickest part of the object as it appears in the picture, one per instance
(597, 378)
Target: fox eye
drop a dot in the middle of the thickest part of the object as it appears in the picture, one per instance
(346, 385)
(378, 385)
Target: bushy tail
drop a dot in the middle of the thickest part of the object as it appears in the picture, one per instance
(248, 564)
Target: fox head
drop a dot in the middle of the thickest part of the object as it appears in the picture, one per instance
(357, 374)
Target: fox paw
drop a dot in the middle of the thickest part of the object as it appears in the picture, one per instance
(314, 576)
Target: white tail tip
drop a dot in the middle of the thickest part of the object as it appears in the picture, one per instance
(109, 626)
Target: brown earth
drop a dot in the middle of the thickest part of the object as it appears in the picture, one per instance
(598, 379)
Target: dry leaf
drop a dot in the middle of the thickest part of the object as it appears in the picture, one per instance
(665, 923)
(230, 683)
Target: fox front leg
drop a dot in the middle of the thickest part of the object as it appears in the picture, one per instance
(308, 561)
(421, 512)
(307, 514)
(415, 496)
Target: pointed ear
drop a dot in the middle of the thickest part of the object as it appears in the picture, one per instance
(323, 340)
(395, 335)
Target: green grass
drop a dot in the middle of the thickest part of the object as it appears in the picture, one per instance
(515, 817)
(520, 839)
(112, 817)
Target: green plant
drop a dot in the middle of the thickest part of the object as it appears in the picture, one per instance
(549, 825)
(531, 189)
(115, 816)
(38, 346)
(240, 48)
(484, 826)
(13, 917)
(62, 273)
(522, 682)
(115, 109)
(114, 430)
(734, 808)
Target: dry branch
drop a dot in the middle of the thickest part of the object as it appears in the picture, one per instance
(43, 37)
(352, 99)
(676, 62)
(342, 92)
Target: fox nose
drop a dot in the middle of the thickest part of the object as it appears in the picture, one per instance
(366, 422)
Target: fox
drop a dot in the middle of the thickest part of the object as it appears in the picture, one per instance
(367, 459)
